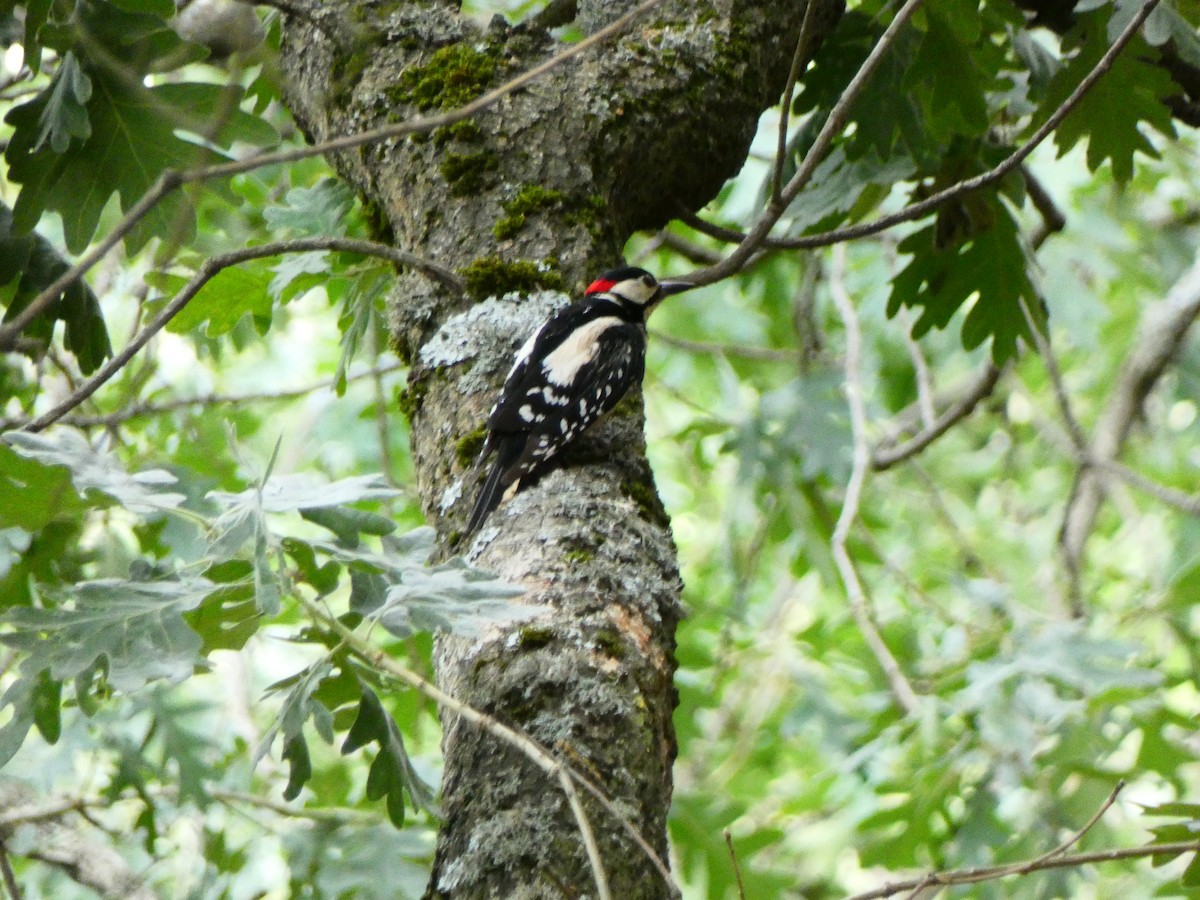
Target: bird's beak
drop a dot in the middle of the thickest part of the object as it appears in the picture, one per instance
(667, 288)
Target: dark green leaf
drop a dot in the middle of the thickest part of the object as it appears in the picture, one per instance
(295, 752)
(19, 696)
(36, 14)
(227, 618)
(33, 494)
(990, 268)
(348, 523)
(47, 699)
(1111, 114)
(38, 264)
(64, 113)
(133, 141)
(233, 292)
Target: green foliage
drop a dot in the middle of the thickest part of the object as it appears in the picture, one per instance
(132, 141)
(989, 268)
(1110, 116)
(34, 264)
(169, 575)
(95, 130)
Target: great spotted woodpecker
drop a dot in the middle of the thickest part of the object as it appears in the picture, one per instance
(572, 370)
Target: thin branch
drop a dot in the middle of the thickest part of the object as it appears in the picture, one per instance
(1053, 219)
(920, 370)
(757, 237)
(737, 869)
(1055, 859)
(936, 880)
(328, 815)
(208, 269)
(800, 60)
(1079, 444)
(170, 180)
(985, 382)
(901, 689)
(145, 410)
(1163, 328)
(745, 351)
(532, 750)
(10, 877)
(24, 815)
(1181, 500)
(1079, 834)
(1061, 396)
(690, 250)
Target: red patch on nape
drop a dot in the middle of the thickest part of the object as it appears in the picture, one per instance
(600, 286)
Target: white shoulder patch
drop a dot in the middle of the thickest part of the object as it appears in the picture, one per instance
(526, 349)
(564, 362)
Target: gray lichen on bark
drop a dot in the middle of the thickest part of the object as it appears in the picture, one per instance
(617, 140)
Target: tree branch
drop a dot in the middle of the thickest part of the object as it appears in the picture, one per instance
(208, 269)
(901, 689)
(146, 410)
(838, 116)
(1160, 336)
(985, 382)
(91, 864)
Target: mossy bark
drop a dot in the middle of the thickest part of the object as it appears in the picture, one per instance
(617, 140)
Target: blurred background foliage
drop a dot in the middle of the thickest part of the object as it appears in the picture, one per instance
(184, 728)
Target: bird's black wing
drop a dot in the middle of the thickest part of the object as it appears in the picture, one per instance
(529, 383)
(597, 386)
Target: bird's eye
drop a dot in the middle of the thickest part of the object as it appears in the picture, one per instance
(648, 280)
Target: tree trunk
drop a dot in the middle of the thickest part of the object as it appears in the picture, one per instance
(540, 192)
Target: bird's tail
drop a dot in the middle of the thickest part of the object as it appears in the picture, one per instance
(489, 496)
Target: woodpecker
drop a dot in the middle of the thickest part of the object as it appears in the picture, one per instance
(576, 367)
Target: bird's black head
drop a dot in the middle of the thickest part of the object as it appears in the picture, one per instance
(635, 288)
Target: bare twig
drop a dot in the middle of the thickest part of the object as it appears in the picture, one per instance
(328, 815)
(145, 410)
(1061, 396)
(800, 61)
(737, 869)
(985, 382)
(170, 180)
(10, 877)
(1075, 433)
(208, 269)
(901, 689)
(1065, 861)
(920, 370)
(1181, 500)
(745, 351)
(88, 862)
(1053, 219)
(1058, 858)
